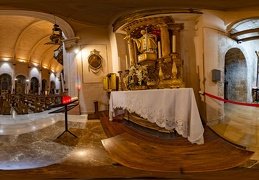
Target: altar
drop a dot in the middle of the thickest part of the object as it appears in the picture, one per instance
(172, 109)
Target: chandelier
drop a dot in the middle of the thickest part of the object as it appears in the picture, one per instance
(56, 36)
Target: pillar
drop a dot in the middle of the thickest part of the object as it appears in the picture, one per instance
(165, 42)
(132, 56)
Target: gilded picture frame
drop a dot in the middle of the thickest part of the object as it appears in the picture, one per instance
(95, 61)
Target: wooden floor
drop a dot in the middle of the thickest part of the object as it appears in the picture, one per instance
(143, 150)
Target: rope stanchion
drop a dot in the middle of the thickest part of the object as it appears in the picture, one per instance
(229, 101)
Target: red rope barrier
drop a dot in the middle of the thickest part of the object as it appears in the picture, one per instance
(229, 101)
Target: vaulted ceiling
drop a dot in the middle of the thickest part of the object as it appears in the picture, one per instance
(104, 12)
(23, 39)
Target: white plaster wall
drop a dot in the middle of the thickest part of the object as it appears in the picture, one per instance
(6, 67)
(114, 51)
(70, 72)
(211, 44)
(57, 82)
(89, 92)
(208, 29)
(34, 72)
(52, 77)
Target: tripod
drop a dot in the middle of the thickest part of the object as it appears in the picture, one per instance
(66, 124)
(66, 107)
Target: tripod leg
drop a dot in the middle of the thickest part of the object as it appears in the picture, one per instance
(72, 134)
(61, 134)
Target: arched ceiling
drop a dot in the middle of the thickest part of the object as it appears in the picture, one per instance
(245, 30)
(104, 12)
(23, 38)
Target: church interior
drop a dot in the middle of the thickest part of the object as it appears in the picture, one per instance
(129, 89)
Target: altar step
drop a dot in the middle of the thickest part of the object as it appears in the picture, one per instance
(138, 149)
(144, 123)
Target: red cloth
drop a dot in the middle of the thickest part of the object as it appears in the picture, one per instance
(66, 99)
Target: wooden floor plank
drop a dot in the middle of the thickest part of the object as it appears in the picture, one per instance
(140, 150)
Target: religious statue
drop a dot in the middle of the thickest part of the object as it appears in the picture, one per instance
(147, 46)
(146, 43)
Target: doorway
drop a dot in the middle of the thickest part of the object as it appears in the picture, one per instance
(235, 82)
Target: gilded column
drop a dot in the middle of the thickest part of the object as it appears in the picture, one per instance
(176, 28)
(165, 42)
(132, 56)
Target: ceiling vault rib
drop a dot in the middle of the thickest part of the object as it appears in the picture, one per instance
(235, 35)
(35, 46)
(23, 32)
(21, 35)
(44, 55)
(249, 38)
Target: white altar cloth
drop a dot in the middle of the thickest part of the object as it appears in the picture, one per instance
(168, 108)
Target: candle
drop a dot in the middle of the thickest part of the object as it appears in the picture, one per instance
(174, 43)
(126, 59)
(119, 64)
(159, 49)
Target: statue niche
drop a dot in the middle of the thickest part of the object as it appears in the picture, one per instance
(147, 46)
(154, 43)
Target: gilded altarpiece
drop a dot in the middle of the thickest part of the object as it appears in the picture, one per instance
(153, 53)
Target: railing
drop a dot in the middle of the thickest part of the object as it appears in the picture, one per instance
(237, 122)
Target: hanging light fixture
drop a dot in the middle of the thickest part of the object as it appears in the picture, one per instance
(56, 36)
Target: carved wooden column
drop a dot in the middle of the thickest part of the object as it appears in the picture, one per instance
(176, 28)
(165, 42)
(132, 56)
(177, 68)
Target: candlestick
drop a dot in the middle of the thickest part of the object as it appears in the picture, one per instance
(159, 49)
(127, 63)
(174, 43)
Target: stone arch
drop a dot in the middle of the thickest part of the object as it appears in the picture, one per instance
(52, 87)
(235, 83)
(34, 87)
(20, 84)
(43, 86)
(5, 83)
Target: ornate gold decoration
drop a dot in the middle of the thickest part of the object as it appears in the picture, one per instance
(95, 61)
(175, 80)
(121, 21)
(137, 77)
(153, 45)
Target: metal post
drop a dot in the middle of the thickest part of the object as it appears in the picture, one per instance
(257, 53)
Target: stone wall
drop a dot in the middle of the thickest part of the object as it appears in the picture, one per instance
(235, 75)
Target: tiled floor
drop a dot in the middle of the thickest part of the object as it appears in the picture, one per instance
(241, 126)
(85, 157)
(30, 143)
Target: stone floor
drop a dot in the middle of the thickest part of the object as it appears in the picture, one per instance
(241, 126)
(39, 153)
(40, 147)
